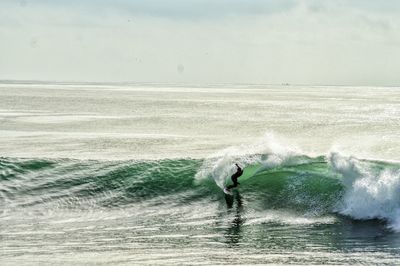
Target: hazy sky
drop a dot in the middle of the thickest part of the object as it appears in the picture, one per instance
(355, 42)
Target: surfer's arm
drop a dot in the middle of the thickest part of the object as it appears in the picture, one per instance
(238, 167)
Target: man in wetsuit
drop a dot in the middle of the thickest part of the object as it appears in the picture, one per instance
(235, 177)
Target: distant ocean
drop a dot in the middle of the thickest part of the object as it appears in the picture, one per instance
(132, 174)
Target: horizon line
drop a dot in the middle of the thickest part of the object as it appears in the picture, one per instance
(195, 84)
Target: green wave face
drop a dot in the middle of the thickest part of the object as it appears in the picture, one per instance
(108, 184)
(29, 182)
(308, 185)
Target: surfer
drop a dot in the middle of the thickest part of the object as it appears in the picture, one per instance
(235, 177)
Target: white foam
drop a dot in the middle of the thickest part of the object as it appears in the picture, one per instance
(370, 193)
(285, 217)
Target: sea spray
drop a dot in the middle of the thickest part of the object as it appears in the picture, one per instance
(372, 189)
(268, 151)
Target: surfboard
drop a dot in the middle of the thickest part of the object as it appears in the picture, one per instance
(228, 192)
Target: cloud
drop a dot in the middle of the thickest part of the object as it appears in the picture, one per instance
(176, 9)
(329, 42)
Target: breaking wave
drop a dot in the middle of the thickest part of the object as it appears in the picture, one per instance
(275, 178)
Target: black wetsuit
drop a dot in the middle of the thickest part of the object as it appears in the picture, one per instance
(235, 177)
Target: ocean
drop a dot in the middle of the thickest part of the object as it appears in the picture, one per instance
(132, 174)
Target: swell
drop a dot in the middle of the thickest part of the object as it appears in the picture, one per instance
(28, 182)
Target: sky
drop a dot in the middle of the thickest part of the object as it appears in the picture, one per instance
(332, 42)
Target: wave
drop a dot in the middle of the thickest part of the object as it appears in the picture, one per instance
(285, 179)
(316, 185)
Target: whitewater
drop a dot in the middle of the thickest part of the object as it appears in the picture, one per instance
(133, 174)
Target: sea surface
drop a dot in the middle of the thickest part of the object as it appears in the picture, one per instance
(132, 174)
